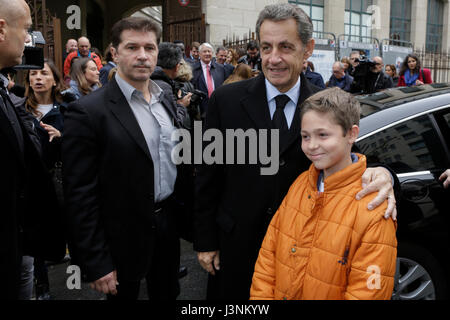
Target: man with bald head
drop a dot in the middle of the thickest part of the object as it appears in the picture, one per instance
(71, 46)
(28, 204)
(339, 78)
(84, 50)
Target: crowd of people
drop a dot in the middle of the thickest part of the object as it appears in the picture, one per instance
(87, 170)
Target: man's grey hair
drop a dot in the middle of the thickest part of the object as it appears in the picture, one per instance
(340, 64)
(220, 48)
(285, 11)
(354, 52)
(169, 55)
(205, 44)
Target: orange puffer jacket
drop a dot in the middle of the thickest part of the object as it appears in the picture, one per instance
(327, 245)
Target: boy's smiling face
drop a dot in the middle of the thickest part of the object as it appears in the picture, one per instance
(324, 143)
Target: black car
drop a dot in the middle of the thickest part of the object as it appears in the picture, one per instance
(409, 130)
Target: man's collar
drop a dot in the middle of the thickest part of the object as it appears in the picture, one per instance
(79, 54)
(293, 93)
(128, 89)
(3, 81)
(204, 64)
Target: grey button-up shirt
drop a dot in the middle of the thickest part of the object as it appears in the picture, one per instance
(157, 127)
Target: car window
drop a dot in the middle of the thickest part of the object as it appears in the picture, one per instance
(443, 120)
(407, 147)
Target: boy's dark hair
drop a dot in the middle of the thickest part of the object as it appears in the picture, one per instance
(169, 55)
(133, 23)
(342, 106)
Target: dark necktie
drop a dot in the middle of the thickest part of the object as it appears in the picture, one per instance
(11, 115)
(279, 119)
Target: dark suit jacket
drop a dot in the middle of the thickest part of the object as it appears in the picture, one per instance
(228, 70)
(314, 78)
(109, 185)
(218, 74)
(104, 72)
(235, 203)
(31, 221)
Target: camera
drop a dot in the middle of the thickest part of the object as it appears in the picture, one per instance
(196, 99)
(363, 78)
(185, 88)
(33, 54)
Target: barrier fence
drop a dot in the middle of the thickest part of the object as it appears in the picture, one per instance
(393, 51)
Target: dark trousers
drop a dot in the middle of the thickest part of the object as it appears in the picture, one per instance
(162, 277)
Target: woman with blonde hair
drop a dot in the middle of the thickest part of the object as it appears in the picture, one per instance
(232, 57)
(346, 62)
(84, 77)
(182, 80)
(241, 72)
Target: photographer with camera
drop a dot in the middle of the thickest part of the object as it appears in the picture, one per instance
(169, 58)
(369, 76)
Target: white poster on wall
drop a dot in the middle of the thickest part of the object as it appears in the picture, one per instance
(323, 63)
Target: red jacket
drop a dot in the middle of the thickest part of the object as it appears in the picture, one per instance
(71, 55)
(424, 72)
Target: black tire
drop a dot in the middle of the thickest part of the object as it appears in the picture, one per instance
(413, 253)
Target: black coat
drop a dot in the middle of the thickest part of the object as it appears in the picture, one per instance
(51, 151)
(109, 185)
(31, 221)
(234, 203)
(218, 73)
(104, 73)
(314, 78)
(228, 70)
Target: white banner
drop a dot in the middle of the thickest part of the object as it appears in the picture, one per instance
(323, 63)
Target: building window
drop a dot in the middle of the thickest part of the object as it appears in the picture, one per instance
(358, 22)
(314, 9)
(435, 23)
(401, 20)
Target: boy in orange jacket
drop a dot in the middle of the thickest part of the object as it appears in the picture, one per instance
(322, 243)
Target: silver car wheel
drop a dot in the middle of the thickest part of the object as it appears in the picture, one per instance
(412, 282)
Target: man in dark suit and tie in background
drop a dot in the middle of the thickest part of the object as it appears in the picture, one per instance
(118, 175)
(221, 57)
(207, 74)
(234, 202)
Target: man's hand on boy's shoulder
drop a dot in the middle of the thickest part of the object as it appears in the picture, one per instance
(379, 179)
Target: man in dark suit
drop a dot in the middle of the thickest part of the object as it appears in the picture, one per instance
(340, 78)
(193, 53)
(314, 78)
(31, 222)
(221, 57)
(235, 202)
(207, 74)
(104, 72)
(118, 174)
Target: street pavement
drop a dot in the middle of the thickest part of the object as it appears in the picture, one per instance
(193, 286)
